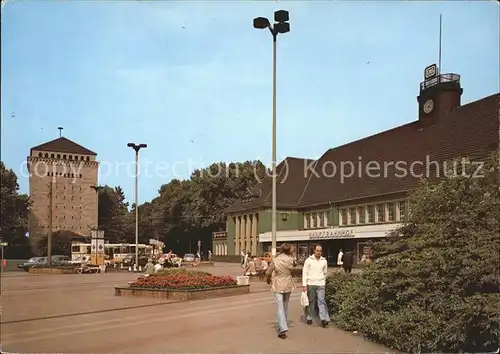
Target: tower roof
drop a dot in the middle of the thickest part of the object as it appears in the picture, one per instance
(64, 145)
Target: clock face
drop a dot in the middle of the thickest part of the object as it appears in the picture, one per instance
(428, 106)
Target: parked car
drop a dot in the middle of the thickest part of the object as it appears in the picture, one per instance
(32, 262)
(59, 260)
(129, 261)
(189, 257)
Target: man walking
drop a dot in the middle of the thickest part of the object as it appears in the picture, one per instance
(314, 280)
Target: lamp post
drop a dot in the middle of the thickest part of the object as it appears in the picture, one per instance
(281, 25)
(136, 148)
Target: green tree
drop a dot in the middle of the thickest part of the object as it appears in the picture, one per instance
(217, 187)
(435, 286)
(113, 215)
(14, 209)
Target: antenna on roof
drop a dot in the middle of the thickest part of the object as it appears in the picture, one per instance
(440, 38)
(60, 131)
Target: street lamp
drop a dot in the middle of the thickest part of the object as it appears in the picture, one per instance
(136, 148)
(281, 25)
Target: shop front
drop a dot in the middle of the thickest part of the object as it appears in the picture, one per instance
(355, 239)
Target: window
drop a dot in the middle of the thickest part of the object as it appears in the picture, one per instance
(343, 217)
(306, 220)
(75, 249)
(58, 156)
(402, 210)
(313, 220)
(352, 216)
(361, 213)
(46, 155)
(70, 157)
(88, 158)
(325, 219)
(40, 154)
(391, 211)
(380, 213)
(371, 214)
(64, 157)
(320, 219)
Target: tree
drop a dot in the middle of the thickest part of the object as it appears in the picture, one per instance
(217, 187)
(14, 209)
(113, 215)
(435, 286)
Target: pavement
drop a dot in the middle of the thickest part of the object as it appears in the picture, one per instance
(47, 313)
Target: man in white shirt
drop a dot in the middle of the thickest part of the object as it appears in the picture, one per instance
(313, 280)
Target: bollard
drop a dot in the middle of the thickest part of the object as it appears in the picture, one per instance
(140, 269)
(129, 269)
(135, 267)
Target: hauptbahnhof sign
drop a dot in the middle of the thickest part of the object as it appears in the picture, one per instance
(331, 234)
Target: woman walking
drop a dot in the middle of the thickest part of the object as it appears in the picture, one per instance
(279, 275)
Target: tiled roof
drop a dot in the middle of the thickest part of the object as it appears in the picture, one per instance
(471, 130)
(64, 145)
(290, 184)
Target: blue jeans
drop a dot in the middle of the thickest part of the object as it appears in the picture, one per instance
(282, 300)
(317, 293)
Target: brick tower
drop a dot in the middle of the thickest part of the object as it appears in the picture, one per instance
(72, 170)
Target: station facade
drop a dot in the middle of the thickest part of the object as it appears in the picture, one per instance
(358, 192)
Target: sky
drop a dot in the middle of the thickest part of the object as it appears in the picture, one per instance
(193, 79)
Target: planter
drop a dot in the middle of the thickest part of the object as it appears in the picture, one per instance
(51, 270)
(183, 295)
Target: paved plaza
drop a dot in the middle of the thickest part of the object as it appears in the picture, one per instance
(80, 314)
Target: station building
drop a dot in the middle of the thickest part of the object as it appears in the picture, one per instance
(358, 192)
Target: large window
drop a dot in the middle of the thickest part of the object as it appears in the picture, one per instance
(352, 216)
(343, 217)
(313, 220)
(380, 213)
(371, 214)
(306, 220)
(402, 210)
(320, 219)
(391, 211)
(361, 213)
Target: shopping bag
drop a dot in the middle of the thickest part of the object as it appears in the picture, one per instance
(304, 300)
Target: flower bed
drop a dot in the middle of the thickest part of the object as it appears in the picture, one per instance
(181, 284)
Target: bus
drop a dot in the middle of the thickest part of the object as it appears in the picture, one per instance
(114, 252)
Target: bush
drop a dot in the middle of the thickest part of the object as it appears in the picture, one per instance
(183, 282)
(434, 285)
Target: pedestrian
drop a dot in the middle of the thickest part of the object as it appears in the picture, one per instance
(209, 256)
(279, 276)
(314, 275)
(339, 258)
(242, 260)
(347, 261)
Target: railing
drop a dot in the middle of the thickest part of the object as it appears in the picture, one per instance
(439, 79)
